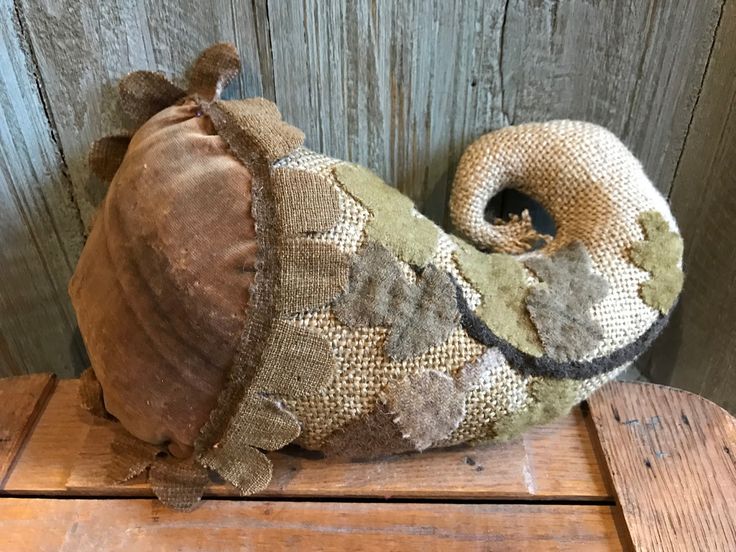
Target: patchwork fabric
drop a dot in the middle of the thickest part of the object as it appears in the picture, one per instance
(411, 238)
(501, 281)
(560, 307)
(660, 254)
(426, 406)
(106, 155)
(370, 331)
(419, 315)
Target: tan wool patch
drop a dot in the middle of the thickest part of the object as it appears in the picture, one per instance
(296, 361)
(552, 398)
(659, 254)
(304, 201)
(393, 224)
(501, 282)
(213, 70)
(254, 131)
(247, 469)
(426, 406)
(179, 484)
(144, 93)
(90, 394)
(420, 315)
(561, 307)
(106, 155)
(130, 457)
(312, 275)
(262, 423)
(472, 374)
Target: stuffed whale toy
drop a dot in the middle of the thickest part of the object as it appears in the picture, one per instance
(239, 292)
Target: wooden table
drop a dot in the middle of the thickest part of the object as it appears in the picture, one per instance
(639, 466)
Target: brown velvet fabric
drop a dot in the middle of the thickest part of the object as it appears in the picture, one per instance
(161, 288)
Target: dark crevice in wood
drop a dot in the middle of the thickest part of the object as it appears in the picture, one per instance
(709, 58)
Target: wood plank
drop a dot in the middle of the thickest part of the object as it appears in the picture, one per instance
(22, 399)
(40, 229)
(83, 49)
(91, 525)
(403, 87)
(697, 351)
(70, 449)
(671, 457)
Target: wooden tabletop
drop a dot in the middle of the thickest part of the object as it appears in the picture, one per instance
(639, 466)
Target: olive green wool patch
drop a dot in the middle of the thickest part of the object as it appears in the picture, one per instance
(659, 254)
(411, 238)
(560, 307)
(551, 399)
(419, 315)
(501, 282)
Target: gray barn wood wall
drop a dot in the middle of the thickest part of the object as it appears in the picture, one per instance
(402, 87)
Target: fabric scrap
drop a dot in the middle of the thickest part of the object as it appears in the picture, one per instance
(560, 307)
(312, 275)
(106, 155)
(426, 406)
(144, 93)
(296, 361)
(659, 254)
(305, 202)
(263, 423)
(472, 374)
(254, 131)
(370, 436)
(213, 70)
(130, 457)
(90, 394)
(247, 469)
(411, 238)
(501, 282)
(178, 484)
(551, 399)
(419, 315)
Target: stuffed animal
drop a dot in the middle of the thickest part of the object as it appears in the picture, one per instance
(239, 292)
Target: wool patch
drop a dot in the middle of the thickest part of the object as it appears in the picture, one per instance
(426, 406)
(254, 131)
(178, 484)
(501, 282)
(296, 361)
(305, 202)
(370, 436)
(143, 94)
(213, 70)
(413, 239)
(130, 457)
(106, 155)
(262, 423)
(659, 254)
(419, 315)
(552, 399)
(90, 394)
(560, 309)
(472, 374)
(247, 469)
(312, 275)
(545, 366)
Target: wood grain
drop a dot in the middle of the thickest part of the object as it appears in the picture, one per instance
(69, 451)
(22, 399)
(698, 350)
(40, 230)
(91, 525)
(671, 457)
